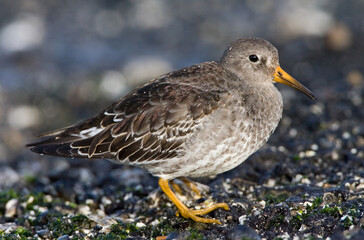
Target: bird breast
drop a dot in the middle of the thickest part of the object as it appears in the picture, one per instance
(227, 137)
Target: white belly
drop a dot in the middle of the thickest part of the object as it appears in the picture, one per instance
(224, 141)
(226, 147)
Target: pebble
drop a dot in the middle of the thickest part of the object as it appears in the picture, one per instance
(152, 67)
(329, 198)
(353, 151)
(8, 177)
(44, 233)
(185, 235)
(355, 78)
(64, 237)
(339, 37)
(346, 135)
(242, 219)
(113, 84)
(84, 209)
(310, 153)
(106, 201)
(10, 207)
(22, 117)
(305, 181)
(129, 177)
(140, 225)
(23, 33)
(86, 176)
(242, 232)
(271, 183)
(8, 227)
(335, 155)
(336, 78)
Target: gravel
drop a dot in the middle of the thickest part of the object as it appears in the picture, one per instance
(307, 182)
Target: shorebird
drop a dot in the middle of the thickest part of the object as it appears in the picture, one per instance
(196, 121)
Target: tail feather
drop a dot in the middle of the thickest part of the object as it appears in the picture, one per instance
(56, 143)
(73, 141)
(54, 132)
(63, 150)
(65, 144)
(56, 146)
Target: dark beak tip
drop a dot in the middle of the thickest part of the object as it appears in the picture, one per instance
(313, 97)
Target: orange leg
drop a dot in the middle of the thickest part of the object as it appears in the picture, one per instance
(176, 187)
(208, 209)
(185, 211)
(191, 185)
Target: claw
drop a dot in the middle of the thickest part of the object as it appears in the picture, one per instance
(185, 211)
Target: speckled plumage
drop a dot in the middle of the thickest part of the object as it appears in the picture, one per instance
(197, 121)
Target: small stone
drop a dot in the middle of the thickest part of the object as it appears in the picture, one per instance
(140, 225)
(172, 236)
(8, 177)
(242, 219)
(297, 178)
(293, 132)
(242, 232)
(353, 151)
(181, 236)
(64, 237)
(271, 183)
(346, 135)
(106, 200)
(129, 177)
(306, 181)
(113, 84)
(86, 176)
(84, 209)
(356, 234)
(310, 153)
(22, 117)
(335, 155)
(10, 207)
(30, 200)
(44, 233)
(355, 78)
(152, 66)
(339, 37)
(8, 227)
(314, 147)
(329, 198)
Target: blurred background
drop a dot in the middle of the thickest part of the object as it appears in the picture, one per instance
(64, 61)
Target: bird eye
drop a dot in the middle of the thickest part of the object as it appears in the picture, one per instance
(253, 58)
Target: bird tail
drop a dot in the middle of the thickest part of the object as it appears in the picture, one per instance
(53, 143)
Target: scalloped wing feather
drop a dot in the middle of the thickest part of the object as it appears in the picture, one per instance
(150, 123)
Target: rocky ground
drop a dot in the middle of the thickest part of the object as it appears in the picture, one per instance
(307, 182)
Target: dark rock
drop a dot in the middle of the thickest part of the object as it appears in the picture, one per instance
(11, 207)
(64, 237)
(242, 232)
(273, 219)
(63, 80)
(8, 177)
(179, 236)
(358, 234)
(172, 236)
(44, 233)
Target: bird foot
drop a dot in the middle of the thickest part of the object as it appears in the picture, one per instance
(193, 214)
(185, 211)
(189, 183)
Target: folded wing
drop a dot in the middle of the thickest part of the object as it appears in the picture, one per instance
(149, 124)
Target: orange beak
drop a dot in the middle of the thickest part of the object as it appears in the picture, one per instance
(283, 77)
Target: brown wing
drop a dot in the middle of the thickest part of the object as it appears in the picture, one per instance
(150, 123)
